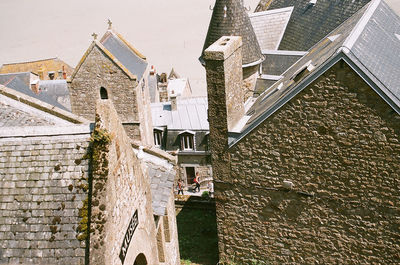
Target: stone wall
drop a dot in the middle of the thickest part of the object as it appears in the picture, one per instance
(338, 142)
(43, 193)
(129, 96)
(119, 188)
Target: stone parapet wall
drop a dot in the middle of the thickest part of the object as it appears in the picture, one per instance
(119, 188)
(338, 142)
(43, 192)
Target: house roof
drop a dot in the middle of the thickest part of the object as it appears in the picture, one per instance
(269, 26)
(310, 23)
(21, 82)
(177, 85)
(191, 114)
(19, 109)
(229, 18)
(161, 173)
(123, 54)
(45, 65)
(367, 41)
(57, 90)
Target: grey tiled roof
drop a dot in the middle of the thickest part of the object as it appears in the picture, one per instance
(40, 198)
(125, 55)
(162, 182)
(269, 26)
(57, 90)
(21, 82)
(191, 114)
(367, 41)
(277, 62)
(309, 24)
(235, 23)
(14, 117)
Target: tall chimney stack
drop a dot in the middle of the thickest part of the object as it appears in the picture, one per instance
(224, 81)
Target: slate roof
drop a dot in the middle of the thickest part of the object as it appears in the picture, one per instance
(367, 41)
(310, 23)
(161, 184)
(161, 174)
(191, 114)
(236, 22)
(269, 26)
(36, 201)
(21, 82)
(124, 53)
(20, 110)
(57, 90)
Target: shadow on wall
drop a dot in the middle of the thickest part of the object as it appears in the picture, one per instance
(197, 232)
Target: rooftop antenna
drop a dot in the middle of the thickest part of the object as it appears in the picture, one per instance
(94, 35)
(109, 24)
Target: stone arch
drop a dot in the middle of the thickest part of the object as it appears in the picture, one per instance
(103, 93)
(140, 260)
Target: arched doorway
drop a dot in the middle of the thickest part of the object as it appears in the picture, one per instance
(140, 260)
(103, 93)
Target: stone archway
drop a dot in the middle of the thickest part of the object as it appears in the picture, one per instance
(140, 260)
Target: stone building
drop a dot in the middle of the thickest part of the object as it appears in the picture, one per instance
(112, 68)
(74, 194)
(309, 173)
(230, 18)
(181, 128)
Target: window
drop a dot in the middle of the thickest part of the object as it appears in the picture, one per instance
(187, 142)
(157, 137)
(103, 93)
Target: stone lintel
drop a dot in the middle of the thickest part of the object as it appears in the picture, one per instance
(223, 48)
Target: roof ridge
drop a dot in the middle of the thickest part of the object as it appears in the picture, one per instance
(358, 29)
(109, 55)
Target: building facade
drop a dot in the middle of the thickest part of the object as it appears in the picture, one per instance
(312, 175)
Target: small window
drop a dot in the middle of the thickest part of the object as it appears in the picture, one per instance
(157, 137)
(103, 93)
(187, 142)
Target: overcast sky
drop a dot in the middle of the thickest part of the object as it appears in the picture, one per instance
(170, 33)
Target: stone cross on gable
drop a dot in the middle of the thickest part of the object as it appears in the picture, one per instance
(94, 35)
(109, 23)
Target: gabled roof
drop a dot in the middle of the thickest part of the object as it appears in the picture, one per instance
(20, 83)
(45, 65)
(310, 23)
(229, 18)
(19, 110)
(269, 26)
(124, 55)
(191, 114)
(367, 42)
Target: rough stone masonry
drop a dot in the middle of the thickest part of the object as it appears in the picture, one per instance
(338, 142)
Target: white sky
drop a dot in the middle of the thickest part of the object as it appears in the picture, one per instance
(170, 33)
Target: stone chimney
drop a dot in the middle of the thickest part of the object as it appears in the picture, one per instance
(173, 101)
(224, 82)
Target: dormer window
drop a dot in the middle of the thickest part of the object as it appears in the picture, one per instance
(187, 140)
(157, 132)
